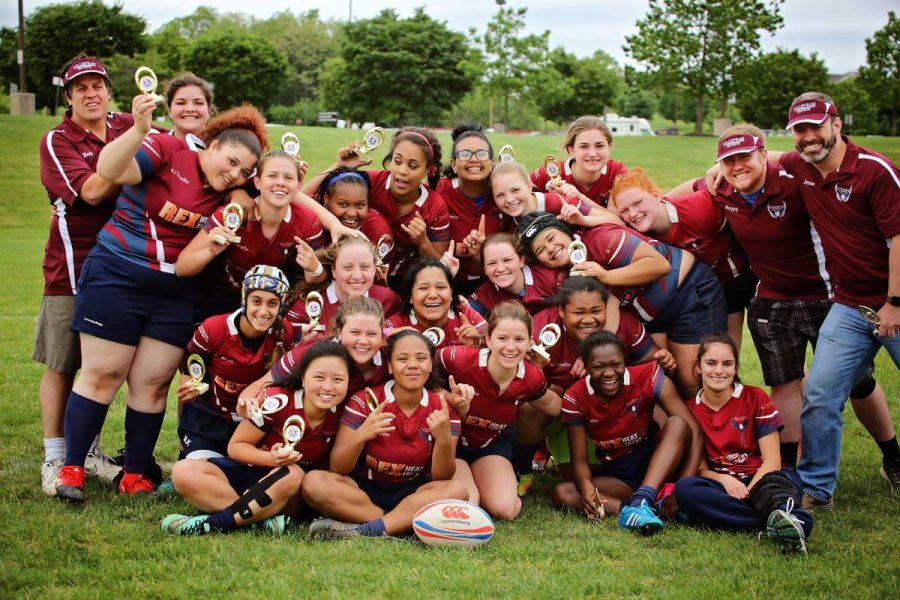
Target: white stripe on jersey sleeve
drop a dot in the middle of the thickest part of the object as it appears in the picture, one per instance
(59, 166)
(881, 162)
(66, 239)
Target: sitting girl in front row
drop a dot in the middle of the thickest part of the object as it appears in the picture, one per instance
(741, 485)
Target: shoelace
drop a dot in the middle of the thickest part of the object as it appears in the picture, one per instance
(788, 510)
(198, 526)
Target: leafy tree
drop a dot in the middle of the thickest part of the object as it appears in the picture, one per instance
(700, 42)
(767, 85)
(881, 75)
(393, 70)
(174, 39)
(859, 112)
(241, 68)
(511, 59)
(576, 86)
(638, 103)
(57, 32)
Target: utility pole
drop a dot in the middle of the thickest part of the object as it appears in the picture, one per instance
(23, 86)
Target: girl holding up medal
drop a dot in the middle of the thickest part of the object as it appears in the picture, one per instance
(589, 172)
(666, 287)
(394, 451)
(133, 313)
(351, 265)
(268, 458)
(286, 235)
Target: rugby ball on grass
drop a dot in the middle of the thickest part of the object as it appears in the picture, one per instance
(453, 523)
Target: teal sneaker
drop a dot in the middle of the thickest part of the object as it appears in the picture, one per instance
(276, 525)
(166, 488)
(786, 530)
(185, 525)
(641, 519)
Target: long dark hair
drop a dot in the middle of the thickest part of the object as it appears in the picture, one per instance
(427, 141)
(294, 379)
(720, 337)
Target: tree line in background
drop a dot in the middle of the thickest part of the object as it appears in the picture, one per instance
(696, 59)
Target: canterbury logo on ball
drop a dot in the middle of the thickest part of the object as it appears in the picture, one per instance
(805, 107)
(455, 512)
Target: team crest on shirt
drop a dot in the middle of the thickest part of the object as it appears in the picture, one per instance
(627, 297)
(740, 423)
(842, 193)
(776, 211)
(634, 406)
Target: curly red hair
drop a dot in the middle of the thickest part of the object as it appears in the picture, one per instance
(634, 178)
(244, 118)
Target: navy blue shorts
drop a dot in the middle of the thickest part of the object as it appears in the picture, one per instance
(697, 309)
(739, 292)
(200, 430)
(629, 469)
(386, 495)
(502, 446)
(121, 301)
(241, 477)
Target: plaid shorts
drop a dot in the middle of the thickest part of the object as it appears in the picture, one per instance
(781, 329)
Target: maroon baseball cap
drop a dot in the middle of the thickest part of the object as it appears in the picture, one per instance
(740, 143)
(84, 66)
(810, 111)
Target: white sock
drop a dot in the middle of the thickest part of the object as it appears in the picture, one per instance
(54, 448)
(95, 445)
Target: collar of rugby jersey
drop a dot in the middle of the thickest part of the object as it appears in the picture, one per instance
(389, 394)
(738, 390)
(626, 381)
(451, 314)
(423, 192)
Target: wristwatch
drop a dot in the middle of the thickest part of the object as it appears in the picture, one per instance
(893, 300)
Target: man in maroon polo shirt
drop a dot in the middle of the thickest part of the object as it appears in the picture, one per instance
(853, 197)
(82, 204)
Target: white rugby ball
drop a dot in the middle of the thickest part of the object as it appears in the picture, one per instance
(453, 523)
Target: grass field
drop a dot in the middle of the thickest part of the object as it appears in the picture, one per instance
(112, 547)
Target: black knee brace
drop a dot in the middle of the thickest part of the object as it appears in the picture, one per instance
(864, 386)
(771, 491)
(257, 492)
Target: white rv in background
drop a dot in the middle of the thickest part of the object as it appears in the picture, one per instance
(628, 125)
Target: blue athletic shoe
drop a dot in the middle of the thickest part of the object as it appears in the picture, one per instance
(641, 519)
(185, 525)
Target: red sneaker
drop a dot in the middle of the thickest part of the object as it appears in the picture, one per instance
(135, 483)
(70, 483)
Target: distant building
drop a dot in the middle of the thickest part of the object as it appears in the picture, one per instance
(627, 125)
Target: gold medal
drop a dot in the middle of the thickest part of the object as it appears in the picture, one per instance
(547, 338)
(372, 140)
(197, 370)
(147, 82)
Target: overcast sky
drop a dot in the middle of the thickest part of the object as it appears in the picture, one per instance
(835, 29)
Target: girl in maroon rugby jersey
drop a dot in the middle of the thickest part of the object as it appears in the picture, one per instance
(394, 451)
(504, 383)
(266, 463)
(350, 264)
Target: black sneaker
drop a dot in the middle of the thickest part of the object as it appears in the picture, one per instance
(891, 472)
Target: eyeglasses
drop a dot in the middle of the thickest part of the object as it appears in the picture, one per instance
(466, 155)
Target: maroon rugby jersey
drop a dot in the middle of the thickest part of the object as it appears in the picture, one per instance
(296, 313)
(540, 284)
(563, 355)
(230, 365)
(256, 249)
(316, 444)
(454, 320)
(69, 156)
(620, 424)
(292, 358)
(856, 210)
(430, 206)
(599, 190)
(404, 453)
(732, 433)
(490, 412)
(698, 225)
(465, 216)
(782, 244)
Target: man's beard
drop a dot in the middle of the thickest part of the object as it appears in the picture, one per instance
(822, 154)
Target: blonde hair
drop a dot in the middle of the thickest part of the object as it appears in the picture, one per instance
(328, 260)
(357, 305)
(582, 124)
(511, 167)
(510, 309)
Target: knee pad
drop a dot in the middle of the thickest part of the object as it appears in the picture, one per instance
(257, 493)
(771, 491)
(864, 386)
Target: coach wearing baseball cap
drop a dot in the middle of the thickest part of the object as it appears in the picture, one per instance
(853, 198)
(80, 199)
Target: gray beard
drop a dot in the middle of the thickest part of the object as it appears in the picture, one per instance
(821, 154)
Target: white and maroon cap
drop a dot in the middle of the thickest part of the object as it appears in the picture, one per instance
(740, 143)
(86, 65)
(810, 111)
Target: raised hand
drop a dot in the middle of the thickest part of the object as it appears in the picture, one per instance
(461, 396)
(377, 423)
(471, 245)
(306, 256)
(467, 333)
(416, 229)
(665, 359)
(439, 421)
(449, 260)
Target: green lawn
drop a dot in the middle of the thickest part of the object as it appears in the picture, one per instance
(111, 547)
